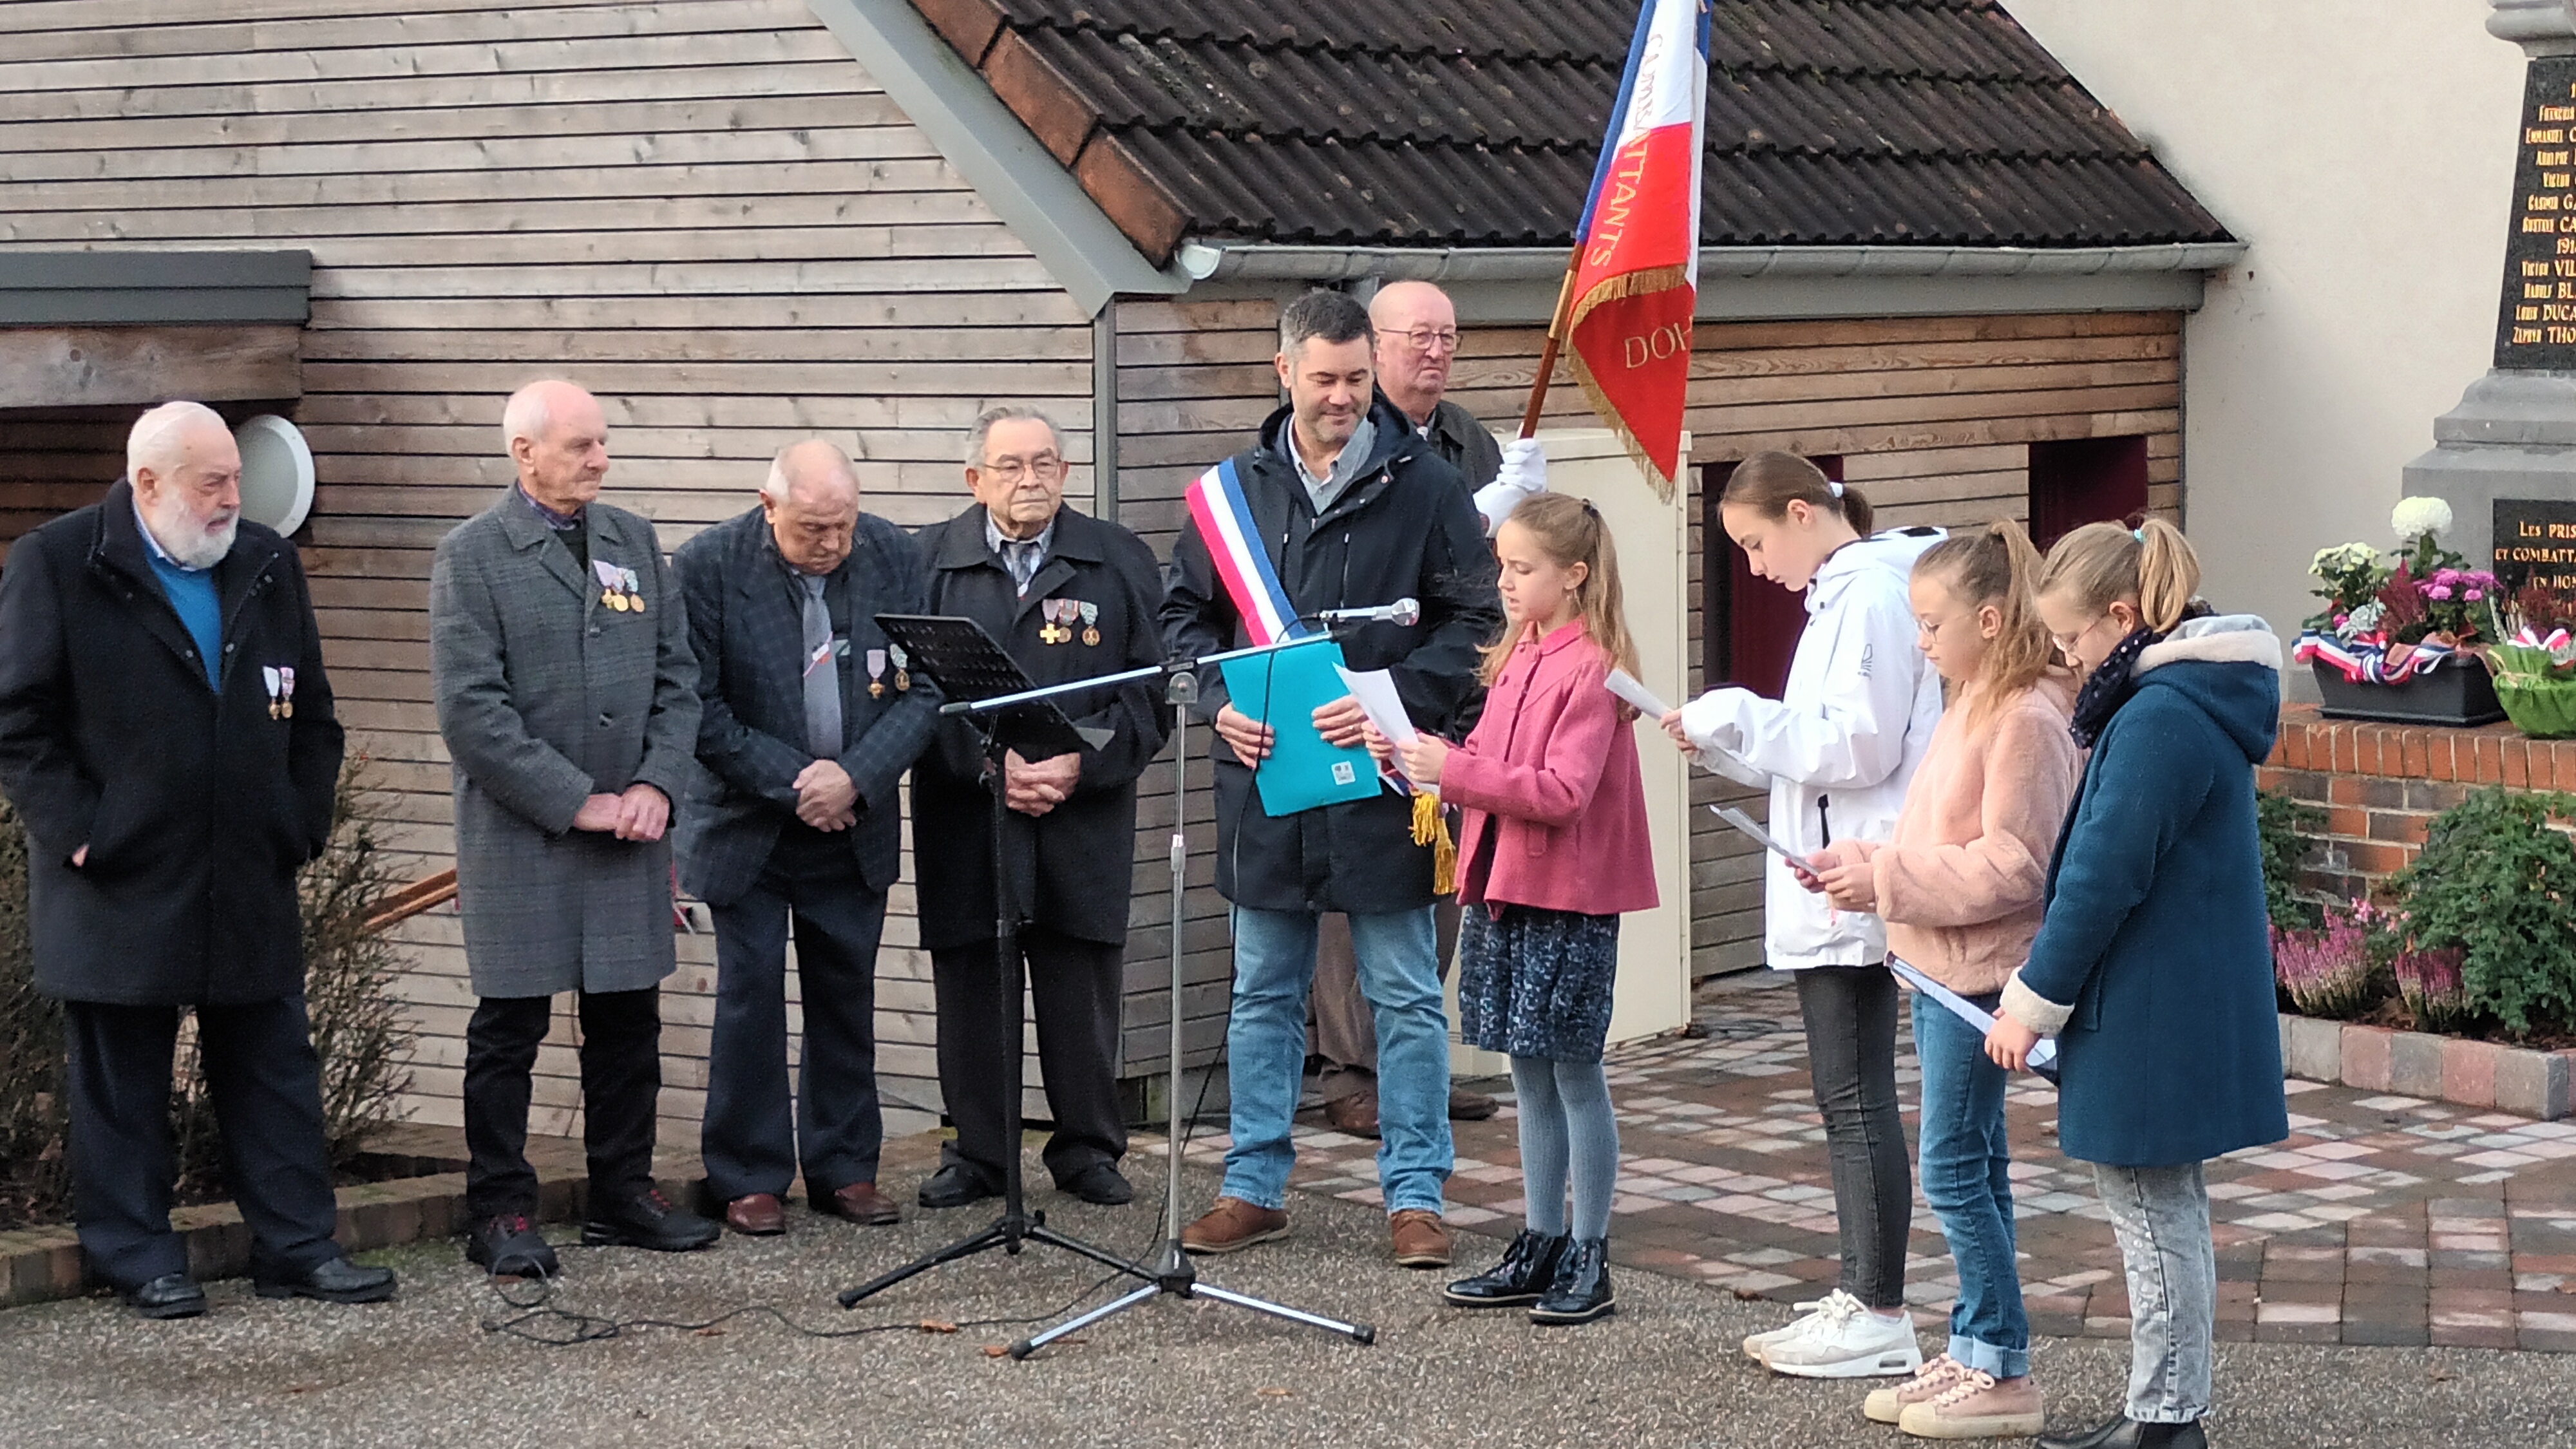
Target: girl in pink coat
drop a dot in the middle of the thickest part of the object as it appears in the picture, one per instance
(1554, 849)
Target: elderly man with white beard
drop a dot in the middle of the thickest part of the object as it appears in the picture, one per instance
(167, 737)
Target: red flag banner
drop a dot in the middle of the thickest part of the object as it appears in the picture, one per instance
(1635, 271)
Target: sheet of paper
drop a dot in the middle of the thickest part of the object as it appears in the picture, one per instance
(2043, 1057)
(1625, 685)
(1375, 690)
(1756, 833)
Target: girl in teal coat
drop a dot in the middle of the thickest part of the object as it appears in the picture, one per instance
(2153, 967)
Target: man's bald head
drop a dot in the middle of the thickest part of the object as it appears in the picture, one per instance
(814, 469)
(558, 437)
(1417, 338)
(811, 499)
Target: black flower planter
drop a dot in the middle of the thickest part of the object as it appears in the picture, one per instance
(2451, 693)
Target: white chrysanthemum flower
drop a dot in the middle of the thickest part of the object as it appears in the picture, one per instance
(2412, 518)
(2341, 557)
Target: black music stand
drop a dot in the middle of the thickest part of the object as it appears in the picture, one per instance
(967, 665)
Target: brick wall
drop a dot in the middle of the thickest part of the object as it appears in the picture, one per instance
(2380, 783)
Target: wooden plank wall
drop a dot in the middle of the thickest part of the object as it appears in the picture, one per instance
(1194, 382)
(704, 210)
(53, 460)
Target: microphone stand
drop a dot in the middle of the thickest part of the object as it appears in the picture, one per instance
(1172, 1272)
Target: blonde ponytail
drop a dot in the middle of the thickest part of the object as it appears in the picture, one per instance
(1995, 567)
(2101, 564)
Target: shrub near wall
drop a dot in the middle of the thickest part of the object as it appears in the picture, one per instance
(357, 1028)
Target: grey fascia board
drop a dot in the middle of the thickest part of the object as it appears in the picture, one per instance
(1221, 260)
(1497, 286)
(1032, 192)
(116, 287)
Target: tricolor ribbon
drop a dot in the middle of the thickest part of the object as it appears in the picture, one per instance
(2366, 663)
(1224, 518)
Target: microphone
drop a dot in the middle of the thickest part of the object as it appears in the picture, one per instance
(1403, 613)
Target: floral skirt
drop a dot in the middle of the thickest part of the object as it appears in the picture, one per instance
(1536, 983)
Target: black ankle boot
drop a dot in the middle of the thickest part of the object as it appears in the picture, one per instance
(2127, 1433)
(1528, 1266)
(1581, 1292)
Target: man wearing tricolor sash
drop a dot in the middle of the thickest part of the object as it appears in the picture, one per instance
(1339, 504)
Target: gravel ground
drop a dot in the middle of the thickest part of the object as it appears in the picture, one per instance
(1665, 1371)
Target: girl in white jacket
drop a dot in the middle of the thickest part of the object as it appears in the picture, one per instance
(1837, 750)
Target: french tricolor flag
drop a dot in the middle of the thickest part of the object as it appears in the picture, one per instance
(1635, 273)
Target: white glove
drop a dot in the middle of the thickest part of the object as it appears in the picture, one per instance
(1524, 473)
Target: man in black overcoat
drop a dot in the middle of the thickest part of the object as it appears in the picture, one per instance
(167, 737)
(809, 720)
(1069, 597)
(1354, 509)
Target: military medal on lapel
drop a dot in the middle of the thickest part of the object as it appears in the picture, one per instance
(611, 584)
(285, 693)
(876, 673)
(1090, 625)
(634, 590)
(902, 674)
(275, 680)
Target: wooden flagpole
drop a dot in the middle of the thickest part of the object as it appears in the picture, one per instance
(1555, 340)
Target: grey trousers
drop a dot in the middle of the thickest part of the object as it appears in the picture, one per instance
(1850, 1014)
(2161, 1217)
(1345, 1032)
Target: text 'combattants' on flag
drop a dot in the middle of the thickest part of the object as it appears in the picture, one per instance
(1635, 276)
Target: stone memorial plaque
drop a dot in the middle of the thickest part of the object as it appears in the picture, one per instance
(2535, 542)
(2538, 326)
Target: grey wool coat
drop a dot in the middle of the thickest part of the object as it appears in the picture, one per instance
(546, 696)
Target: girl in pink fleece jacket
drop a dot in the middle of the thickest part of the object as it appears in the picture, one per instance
(1959, 883)
(1554, 849)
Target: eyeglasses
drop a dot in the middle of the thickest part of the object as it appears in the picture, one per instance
(1045, 467)
(1426, 339)
(2066, 642)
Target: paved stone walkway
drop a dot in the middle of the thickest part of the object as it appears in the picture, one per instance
(2381, 1220)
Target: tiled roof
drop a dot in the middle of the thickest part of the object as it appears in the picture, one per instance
(1476, 122)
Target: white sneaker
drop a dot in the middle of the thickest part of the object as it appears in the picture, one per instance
(1844, 1340)
(1754, 1343)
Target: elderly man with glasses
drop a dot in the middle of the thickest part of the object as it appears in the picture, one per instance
(1069, 597)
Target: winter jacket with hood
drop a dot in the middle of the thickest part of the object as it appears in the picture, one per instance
(1840, 745)
(2153, 966)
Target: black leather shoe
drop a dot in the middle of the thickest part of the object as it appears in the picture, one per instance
(1581, 1292)
(333, 1280)
(508, 1247)
(2127, 1433)
(955, 1186)
(1100, 1183)
(647, 1220)
(172, 1295)
(1528, 1267)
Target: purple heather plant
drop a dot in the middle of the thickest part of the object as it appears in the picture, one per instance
(2327, 972)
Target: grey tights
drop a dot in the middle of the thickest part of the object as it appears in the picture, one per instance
(1566, 1122)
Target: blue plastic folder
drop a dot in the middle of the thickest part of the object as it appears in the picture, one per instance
(1283, 689)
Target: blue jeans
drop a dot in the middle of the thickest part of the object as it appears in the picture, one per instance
(1265, 1043)
(1967, 1180)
